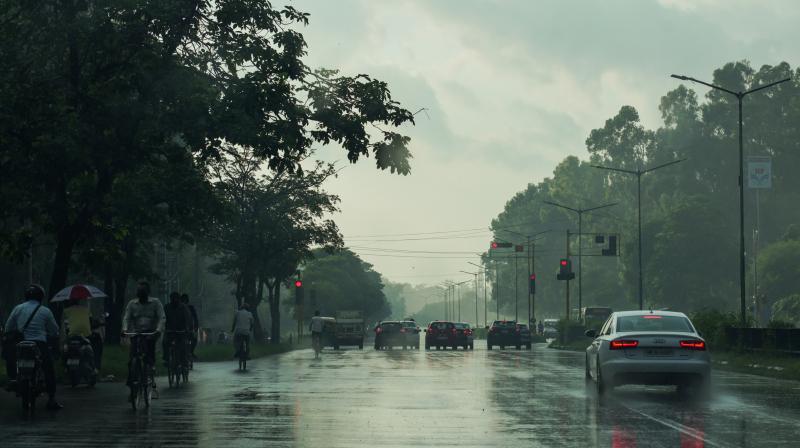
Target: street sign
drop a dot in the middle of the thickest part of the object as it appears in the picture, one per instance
(759, 172)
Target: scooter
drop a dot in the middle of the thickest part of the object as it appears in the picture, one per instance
(80, 362)
(30, 375)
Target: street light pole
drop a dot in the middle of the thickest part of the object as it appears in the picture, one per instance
(485, 306)
(638, 173)
(475, 274)
(739, 96)
(580, 212)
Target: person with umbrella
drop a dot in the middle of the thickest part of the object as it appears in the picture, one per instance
(78, 319)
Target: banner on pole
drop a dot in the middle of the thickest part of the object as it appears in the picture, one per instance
(759, 172)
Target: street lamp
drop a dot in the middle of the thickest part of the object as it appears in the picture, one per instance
(638, 174)
(459, 297)
(485, 307)
(580, 212)
(739, 96)
(476, 294)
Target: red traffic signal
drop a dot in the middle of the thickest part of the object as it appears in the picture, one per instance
(564, 262)
(494, 245)
(533, 276)
(500, 245)
(298, 283)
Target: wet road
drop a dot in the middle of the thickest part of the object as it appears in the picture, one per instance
(406, 399)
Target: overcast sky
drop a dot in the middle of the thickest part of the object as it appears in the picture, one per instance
(511, 88)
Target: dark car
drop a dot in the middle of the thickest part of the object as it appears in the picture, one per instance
(440, 334)
(411, 331)
(464, 335)
(503, 333)
(524, 335)
(390, 334)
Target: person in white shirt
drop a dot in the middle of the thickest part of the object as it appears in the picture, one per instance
(243, 323)
(316, 327)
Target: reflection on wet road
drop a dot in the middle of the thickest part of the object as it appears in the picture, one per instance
(415, 398)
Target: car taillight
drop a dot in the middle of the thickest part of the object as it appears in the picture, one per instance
(431, 331)
(402, 330)
(454, 331)
(624, 343)
(693, 345)
(378, 330)
(468, 332)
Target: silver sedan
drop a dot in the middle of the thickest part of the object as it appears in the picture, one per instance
(648, 347)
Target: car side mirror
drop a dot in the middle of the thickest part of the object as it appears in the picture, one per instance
(590, 333)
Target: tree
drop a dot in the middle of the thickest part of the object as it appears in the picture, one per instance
(343, 281)
(100, 90)
(269, 225)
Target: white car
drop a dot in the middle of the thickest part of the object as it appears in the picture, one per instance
(648, 347)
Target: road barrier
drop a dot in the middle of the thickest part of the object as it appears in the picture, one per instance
(781, 340)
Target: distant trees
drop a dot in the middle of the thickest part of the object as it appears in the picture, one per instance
(115, 115)
(690, 211)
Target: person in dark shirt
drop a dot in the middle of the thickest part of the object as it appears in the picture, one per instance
(178, 325)
(195, 323)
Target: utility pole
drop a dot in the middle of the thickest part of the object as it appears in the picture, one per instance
(567, 301)
(739, 96)
(638, 173)
(580, 212)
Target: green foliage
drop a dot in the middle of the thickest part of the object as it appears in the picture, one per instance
(711, 324)
(343, 281)
(689, 210)
(780, 324)
(787, 310)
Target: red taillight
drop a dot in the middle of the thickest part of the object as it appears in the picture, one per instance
(378, 330)
(431, 331)
(693, 345)
(651, 316)
(402, 330)
(624, 343)
(454, 331)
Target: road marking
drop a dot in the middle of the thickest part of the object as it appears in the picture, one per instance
(683, 429)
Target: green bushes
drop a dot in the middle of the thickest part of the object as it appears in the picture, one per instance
(711, 324)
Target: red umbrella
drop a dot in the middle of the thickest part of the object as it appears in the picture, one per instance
(79, 292)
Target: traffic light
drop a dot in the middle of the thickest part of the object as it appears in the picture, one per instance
(500, 245)
(612, 247)
(532, 284)
(298, 292)
(565, 270)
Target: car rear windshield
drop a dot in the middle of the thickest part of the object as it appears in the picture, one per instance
(386, 325)
(522, 327)
(409, 324)
(504, 324)
(653, 322)
(441, 325)
(461, 326)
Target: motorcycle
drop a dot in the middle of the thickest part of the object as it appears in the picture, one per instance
(79, 362)
(30, 375)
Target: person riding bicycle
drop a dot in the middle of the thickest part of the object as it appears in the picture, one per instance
(178, 325)
(144, 315)
(243, 323)
(316, 326)
(41, 326)
(195, 324)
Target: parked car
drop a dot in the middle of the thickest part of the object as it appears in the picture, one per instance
(503, 333)
(440, 334)
(550, 328)
(464, 335)
(648, 347)
(411, 331)
(524, 335)
(390, 334)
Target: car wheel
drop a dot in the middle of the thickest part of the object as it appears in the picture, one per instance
(527, 346)
(519, 347)
(599, 381)
(471, 347)
(587, 372)
(488, 347)
(502, 347)
(427, 347)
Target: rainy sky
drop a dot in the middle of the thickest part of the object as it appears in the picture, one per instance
(511, 87)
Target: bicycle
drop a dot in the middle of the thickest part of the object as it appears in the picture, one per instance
(140, 373)
(177, 369)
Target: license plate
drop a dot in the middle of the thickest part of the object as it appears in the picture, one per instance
(25, 364)
(73, 362)
(659, 352)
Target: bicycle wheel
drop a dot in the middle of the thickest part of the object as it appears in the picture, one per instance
(147, 389)
(133, 383)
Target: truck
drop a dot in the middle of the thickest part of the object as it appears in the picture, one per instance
(349, 329)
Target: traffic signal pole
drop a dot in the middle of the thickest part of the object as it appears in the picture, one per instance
(567, 301)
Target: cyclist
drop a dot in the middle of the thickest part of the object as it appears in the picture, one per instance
(178, 325)
(243, 323)
(316, 327)
(195, 324)
(41, 326)
(144, 315)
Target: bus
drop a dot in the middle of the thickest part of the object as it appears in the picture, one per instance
(593, 317)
